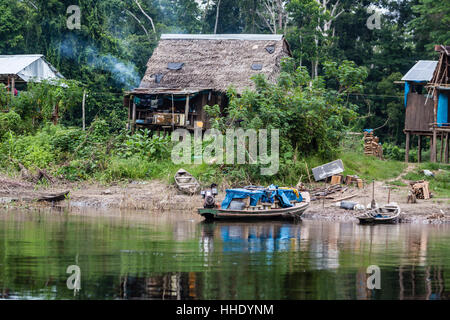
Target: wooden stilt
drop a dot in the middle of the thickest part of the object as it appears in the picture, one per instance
(442, 147)
(446, 148)
(13, 86)
(407, 147)
(173, 115)
(431, 148)
(134, 118)
(129, 113)
(434, 147)
(186, 111)
(419, 149)
(433, 153)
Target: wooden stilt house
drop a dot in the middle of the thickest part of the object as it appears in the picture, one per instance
(427, 88)
(187, 72)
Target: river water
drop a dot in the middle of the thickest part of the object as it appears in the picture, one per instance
(132, 255)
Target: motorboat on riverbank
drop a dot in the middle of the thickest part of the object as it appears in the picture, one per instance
(186, 182)
(389, 213)
(255, 203)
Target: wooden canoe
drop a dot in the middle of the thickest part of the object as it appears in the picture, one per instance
(388, 214)
(291, 213)
(186, 182)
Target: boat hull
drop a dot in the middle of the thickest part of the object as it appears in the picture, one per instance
(271, 214)
(378, 221)
(392, 212)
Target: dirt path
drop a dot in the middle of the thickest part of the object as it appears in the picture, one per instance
(411, 167)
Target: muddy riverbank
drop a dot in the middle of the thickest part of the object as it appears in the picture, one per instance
(159, 196)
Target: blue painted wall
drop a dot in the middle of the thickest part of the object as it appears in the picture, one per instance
(442, 111)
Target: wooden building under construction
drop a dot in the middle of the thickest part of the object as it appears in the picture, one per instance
(187, 72)
(427, 88)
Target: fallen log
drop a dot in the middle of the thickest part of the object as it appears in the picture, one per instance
(53, 197)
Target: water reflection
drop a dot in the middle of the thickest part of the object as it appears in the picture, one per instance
(125, 256)
(266, 237)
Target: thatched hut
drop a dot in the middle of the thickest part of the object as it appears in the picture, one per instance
(187, 72)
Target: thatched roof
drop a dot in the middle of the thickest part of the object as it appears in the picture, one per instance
(213, 61)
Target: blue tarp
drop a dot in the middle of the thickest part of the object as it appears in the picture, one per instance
(265, 195)
(406, 93)
(255, 196)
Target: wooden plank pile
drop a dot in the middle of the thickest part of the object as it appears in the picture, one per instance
(420, 189)
(321, 193)
(372, 146)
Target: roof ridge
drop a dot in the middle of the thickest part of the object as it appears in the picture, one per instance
(234, 36)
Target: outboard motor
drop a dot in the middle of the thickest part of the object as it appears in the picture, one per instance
(210, 196)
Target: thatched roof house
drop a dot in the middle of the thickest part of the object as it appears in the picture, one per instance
(214, 61)
(187, 72)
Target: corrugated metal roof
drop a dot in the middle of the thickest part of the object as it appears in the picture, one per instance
(422, 71)
(13, 64)
(28, 67)
(264, 37)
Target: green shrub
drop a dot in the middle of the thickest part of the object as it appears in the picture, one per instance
(142, 144)
(10, 121)
(133, 168)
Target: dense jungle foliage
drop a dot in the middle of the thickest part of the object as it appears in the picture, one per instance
(347, 55)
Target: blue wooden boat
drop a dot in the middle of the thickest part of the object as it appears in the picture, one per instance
(256, 203)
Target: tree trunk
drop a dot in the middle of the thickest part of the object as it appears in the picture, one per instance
(148, 17)
(217, 16)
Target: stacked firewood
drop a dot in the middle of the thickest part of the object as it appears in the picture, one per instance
(420, 189)
(372, 146)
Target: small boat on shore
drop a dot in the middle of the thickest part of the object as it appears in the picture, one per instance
(186, 182)
(256, 203)
(389, 213)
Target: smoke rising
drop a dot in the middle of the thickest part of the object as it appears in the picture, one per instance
(123, 72)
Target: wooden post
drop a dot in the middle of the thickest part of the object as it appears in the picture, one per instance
(7, 89)
(433, 155)
(129, 112)
(389, 195)
(434, 147)
(204, 103)
(84, 110)
(407, 147)
(173, 115)
(442, 147)
(55, 115)
(134, 118)
(446, 148)
(186, 111)
(373, 203)
(13, 86)
(419, 149)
